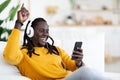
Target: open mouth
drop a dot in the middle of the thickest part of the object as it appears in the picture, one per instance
(43, 39)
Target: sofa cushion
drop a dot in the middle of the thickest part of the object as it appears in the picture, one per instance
(5, 68)
(13, 77)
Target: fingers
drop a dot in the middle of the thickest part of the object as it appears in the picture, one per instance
(24, 11)
(77, 58)
(79, 49)
(23, 14)
(78, 52)
(77, 55)
(27, 13)
(22, 6)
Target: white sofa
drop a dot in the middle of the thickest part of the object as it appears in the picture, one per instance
(7, 71)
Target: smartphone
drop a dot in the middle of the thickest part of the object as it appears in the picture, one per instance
(77, 45)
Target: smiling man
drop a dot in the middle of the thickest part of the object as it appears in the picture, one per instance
(36, 58)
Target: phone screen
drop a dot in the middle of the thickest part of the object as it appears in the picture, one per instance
(77, 44)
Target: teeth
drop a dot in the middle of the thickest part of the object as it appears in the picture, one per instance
(44, 39)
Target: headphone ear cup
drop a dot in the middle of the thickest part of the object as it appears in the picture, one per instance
(30, 32)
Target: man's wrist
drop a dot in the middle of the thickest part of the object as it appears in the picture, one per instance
(19, 22)
(79, 64)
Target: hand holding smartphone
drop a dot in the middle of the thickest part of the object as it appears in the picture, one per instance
(77, 45)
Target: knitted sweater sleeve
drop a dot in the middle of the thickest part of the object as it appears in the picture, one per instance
(68, 63)
(12, 53)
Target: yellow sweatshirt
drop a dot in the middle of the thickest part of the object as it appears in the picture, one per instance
(43, 67)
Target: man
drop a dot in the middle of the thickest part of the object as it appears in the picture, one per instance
(36, 58)
(39, 60)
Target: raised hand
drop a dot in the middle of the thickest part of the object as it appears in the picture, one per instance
(23, 14)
